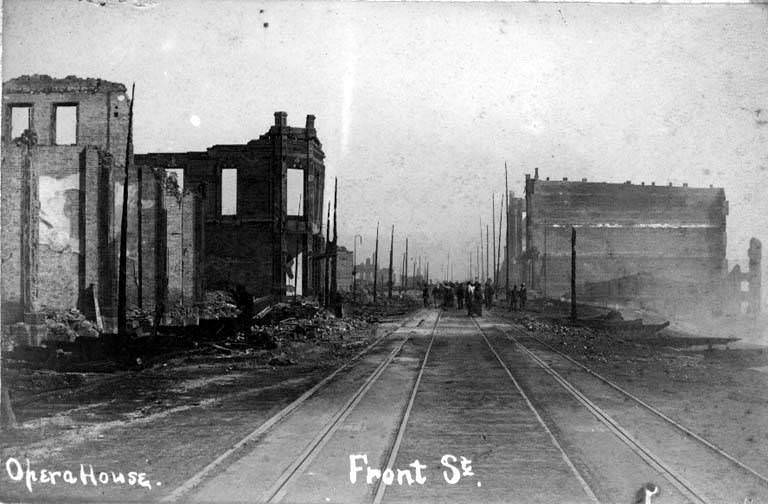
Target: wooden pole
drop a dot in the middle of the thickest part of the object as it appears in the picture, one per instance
(391, 243)
(487, 256)
(334, 257)
(498, 249)
(506, 247)
(405, 266)
(326, 285)
(122, 283)
(573, 273)
(477, 258)
(481, 269)
(376, 265)
(493, 250)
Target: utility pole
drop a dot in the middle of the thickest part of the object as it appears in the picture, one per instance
(498, 250)
(376, 265)
(334, 258)
(327, 254)
(487, 263)
(405, 268)
(493, 223)
(477, 258)
(391, 243)
(470, 265)
(481, 269)
(573, 273)
(544, 259)
(506, 247)
(402, 276)
(122, 308)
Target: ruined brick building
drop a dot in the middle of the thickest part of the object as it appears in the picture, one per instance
(662, 246)
(63, 171)
(58, 206)
(254, 230)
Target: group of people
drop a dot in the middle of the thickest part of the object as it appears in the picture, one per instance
(469, 295)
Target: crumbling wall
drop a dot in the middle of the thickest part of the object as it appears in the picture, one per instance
(254, 247)
(73, 226)
(674, 235)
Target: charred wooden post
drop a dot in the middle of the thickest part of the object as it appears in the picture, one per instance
(506, 247)
(335, 248)
(327, 254)
(376, 265)
(573, 273)
(405, 265)
(497, 272)
(391, 243)
(122, 280)
(493, 250)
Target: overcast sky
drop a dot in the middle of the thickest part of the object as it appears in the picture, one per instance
(419, 105)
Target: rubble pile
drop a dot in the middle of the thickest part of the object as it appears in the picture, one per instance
(67, 325)
(281, 324)
(589, 343)
(219, 305)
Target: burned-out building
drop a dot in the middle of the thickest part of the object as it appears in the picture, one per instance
(63, 175)
(63, 142)
(253, 230)
(660, 246)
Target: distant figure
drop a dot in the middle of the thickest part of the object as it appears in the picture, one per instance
(435, 295)
(470, 293)
(478, 299)
(513, 298)
(460, 296)
(488, 293)
(523, 296)
(425, 296)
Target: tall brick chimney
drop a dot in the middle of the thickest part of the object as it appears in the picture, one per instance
(281, 118)
(310, 122)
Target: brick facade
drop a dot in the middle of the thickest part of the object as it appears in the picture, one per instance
(255, 246)
(58, 226)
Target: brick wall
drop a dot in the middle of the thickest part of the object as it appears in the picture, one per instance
(674, 236)
(74, 234)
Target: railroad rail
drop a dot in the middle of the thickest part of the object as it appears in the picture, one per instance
(198, 477)
(673, 476)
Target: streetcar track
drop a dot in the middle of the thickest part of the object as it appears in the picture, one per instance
(381, 487)
(278, 490)
(656, 412)
(644, 453)
(198, 477)
(653, 460)
(584, 485)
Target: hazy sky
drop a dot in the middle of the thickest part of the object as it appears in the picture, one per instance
(419, 105)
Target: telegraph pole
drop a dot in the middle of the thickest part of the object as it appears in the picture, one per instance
(506, 248)
(573, 273)
(493, 223)
(391, 242)
(376, 264)
(327, 254)
(405, 269)
(334, 258)
(122, 308)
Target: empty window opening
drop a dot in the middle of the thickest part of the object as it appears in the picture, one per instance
(66, 124)
(178, 173)
(229, 191)
(295, 192)
(20, 116)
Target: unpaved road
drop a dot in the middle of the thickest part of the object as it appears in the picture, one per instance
(441, 391)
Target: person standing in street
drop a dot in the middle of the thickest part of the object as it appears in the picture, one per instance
(488, 293)
(523, 296)
(513, 298)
